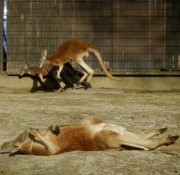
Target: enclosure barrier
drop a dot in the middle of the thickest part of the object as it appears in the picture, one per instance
(135, 37)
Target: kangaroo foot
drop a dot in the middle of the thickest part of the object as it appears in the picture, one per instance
(87, 85)
(84, 83)
(171, 139)
(162, 130)
(61, 89)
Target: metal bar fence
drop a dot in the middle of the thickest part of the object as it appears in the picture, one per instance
(133, 36)
(1, 37)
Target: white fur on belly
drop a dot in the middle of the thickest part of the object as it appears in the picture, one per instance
(107, 126)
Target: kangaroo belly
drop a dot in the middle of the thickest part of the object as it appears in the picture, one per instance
(107, 126)
(75, 138)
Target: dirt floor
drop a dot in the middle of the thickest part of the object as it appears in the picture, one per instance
(136, 110)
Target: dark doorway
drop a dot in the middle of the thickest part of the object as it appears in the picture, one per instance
(4, 36)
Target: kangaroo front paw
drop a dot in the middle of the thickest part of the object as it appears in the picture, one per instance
(32, 133)
(55, 129)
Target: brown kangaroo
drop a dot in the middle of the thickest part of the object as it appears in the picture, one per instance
(70, 76)
(40, 72)
(91, 135)
(75, 50)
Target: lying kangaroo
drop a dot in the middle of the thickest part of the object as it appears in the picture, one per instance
(91, 135)
(70, 76)
(75, 50)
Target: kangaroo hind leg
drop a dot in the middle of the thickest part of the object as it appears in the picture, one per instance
(87, 71)
(147, 144)
(148, 135)
(106, 139)
(154, 133)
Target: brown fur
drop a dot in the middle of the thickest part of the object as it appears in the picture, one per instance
(35, 71)
(93, 135)
(69, 49)
(76, 50)
(70, 76)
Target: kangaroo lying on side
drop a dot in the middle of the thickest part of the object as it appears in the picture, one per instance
(70, 76)
(91, 135)
(75, 50)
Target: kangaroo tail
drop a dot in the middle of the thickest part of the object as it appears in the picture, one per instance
(99, 57)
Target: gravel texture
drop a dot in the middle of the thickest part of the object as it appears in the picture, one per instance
(137, 111)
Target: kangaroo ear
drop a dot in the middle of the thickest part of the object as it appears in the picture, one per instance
(15, 147)
(6, 147)
(44, 54)
(26, 65)
(43, 58)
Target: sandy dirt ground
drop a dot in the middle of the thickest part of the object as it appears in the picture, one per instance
(137, 111)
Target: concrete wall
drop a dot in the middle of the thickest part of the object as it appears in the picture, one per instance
(129, 83)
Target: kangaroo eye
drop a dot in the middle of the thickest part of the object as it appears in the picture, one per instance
(15, 146)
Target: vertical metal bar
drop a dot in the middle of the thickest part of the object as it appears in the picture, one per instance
(1, 36)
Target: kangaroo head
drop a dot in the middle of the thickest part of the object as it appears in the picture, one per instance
(16, 145)
(25, 70)
(21, 140)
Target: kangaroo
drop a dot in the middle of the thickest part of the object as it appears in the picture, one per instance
(70, 76)
(91, 135)
(40, 72)
(75, 50)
